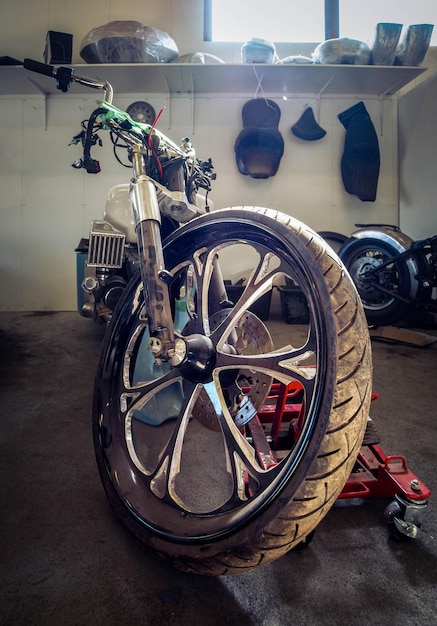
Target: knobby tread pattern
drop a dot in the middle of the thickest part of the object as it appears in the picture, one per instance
(344, 434)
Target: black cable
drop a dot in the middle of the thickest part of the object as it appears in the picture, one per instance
(117, 144)
(91, 165)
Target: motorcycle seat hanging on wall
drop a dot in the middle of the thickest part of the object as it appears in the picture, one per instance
(259, 146)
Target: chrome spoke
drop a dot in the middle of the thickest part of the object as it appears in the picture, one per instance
(194, 431)
(242, 462)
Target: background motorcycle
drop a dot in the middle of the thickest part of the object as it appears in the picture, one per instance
(186, 372)
(395, 275)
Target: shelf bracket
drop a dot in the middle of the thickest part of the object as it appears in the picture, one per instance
(168, 101)
(325, 86)
(46, 96)
(381, 98)
(192, 104)
(381, 115)
(393, 88)
(319, 97)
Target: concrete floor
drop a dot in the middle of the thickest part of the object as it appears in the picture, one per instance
(65, 560)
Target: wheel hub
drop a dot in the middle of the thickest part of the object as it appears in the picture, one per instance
(251, 337)
(199, 358)
(360, 271)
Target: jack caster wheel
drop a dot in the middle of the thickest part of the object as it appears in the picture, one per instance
(404, 517)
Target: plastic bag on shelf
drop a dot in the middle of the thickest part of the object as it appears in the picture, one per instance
(199, 58)
(258, 51)
(127, 42)
(342, 51)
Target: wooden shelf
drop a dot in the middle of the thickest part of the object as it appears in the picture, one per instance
(223, 80)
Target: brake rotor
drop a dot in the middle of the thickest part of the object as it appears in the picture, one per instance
(358, 270)
(252, 337)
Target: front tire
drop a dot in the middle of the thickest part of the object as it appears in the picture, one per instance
(189, 458)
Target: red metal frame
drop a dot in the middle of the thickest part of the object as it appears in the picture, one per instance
(375, 473)
(378, 475)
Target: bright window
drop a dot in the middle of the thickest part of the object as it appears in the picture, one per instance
(275, 20)
(358, 19)
(304, 20)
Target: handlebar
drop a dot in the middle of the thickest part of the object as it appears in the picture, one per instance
(65, 76)
(132, 132)
(40, 68)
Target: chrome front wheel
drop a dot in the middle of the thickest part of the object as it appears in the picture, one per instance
(192, 458)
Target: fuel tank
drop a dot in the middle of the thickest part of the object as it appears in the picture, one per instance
(118, 211)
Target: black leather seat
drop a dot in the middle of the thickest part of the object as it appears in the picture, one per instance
(259, 146)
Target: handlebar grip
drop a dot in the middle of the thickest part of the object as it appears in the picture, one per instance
(40, 68)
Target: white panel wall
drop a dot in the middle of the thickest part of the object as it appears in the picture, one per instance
(418, 157)
(46, 205)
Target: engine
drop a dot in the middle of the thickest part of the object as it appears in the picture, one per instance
(107, 264)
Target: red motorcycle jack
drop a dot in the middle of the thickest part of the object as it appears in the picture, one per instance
(375, 474)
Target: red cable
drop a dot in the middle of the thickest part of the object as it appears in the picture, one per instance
(149, 142)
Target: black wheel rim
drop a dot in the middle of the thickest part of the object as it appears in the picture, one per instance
(191, 478)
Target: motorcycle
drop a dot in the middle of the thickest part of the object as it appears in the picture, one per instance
(194, 459)
(395, 275)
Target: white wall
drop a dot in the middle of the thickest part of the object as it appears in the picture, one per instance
(418, 157)
(46, 206)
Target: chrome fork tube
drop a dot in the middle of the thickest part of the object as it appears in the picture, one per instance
(154, 276)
